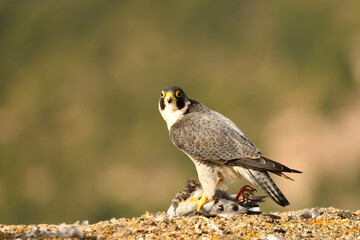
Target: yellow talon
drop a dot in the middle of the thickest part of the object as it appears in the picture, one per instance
(203, 200)
(200, 202)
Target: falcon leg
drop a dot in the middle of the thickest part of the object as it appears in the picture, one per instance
(244, 193)
(217, 182)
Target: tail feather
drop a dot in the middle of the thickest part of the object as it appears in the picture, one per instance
(262, 180)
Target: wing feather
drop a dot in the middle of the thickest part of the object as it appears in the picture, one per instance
(206, 137)
(215, 138)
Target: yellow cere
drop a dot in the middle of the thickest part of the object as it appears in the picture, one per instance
(170, 95)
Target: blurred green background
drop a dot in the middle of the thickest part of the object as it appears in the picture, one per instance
(80, 132)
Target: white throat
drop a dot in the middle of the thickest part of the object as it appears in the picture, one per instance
(171, 113)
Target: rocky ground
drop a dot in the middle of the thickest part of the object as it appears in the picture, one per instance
(319, 223)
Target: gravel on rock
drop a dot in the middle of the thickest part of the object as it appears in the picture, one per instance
(319, 223)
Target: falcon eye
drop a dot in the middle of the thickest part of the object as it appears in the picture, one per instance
(178, 94)
(162, 94)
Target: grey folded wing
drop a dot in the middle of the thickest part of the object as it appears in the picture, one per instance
(208, 137)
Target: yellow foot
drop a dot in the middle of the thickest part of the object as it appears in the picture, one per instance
(181, 203)
(200, 202)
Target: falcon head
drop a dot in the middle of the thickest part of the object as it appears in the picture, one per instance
(173, 104)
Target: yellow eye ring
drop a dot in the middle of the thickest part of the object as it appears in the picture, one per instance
(178, 94)
(162, 94)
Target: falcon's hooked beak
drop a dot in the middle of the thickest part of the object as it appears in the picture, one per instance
(170, 97)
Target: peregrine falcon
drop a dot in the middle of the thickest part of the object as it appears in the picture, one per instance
(219, 149)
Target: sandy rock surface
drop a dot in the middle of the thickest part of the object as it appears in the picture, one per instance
(324, 223)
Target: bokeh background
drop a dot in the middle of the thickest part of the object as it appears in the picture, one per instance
(80, 132)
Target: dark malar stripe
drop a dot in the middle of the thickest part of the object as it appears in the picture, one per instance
(180, 103)
(162, 103)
